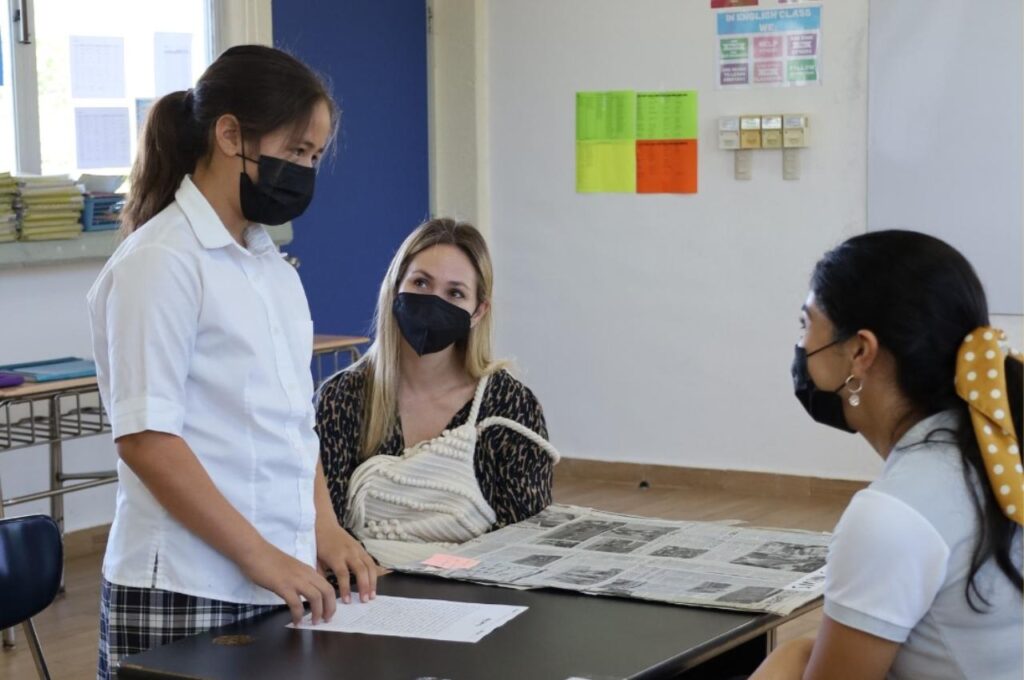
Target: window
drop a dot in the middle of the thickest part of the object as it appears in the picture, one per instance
(7, 126)
(73, 98)
(100, 65)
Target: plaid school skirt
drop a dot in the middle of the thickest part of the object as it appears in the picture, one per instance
(133, 620)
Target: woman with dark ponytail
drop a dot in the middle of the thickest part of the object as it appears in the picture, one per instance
(203, 339)
(924, 571)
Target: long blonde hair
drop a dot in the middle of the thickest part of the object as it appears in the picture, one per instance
(380, 363)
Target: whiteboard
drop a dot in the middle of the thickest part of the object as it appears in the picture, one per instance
(945, 118)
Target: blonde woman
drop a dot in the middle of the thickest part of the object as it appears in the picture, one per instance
(427, 441)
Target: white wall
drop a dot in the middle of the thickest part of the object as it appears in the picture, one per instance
(945, 142)
(44, 315)
(660, 329)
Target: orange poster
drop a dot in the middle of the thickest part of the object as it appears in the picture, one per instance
(666, 166)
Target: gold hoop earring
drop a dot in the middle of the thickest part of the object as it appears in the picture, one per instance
(854, 397)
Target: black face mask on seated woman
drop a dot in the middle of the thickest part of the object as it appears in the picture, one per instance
(825, 407)
(429, 323)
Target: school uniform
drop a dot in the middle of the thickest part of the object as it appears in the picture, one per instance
(198, 337)
(901, 558)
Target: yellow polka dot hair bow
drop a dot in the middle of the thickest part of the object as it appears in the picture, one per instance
(981, 382)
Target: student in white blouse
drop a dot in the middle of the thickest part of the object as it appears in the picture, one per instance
(203, 339)
(923, 578)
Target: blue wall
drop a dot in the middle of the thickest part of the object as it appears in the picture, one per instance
(375, 190)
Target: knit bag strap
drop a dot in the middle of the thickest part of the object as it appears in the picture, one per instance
(523, 430)
(478, 398)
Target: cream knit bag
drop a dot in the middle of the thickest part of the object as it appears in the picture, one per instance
(406, 508)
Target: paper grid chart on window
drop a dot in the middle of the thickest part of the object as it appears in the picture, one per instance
(636, 142)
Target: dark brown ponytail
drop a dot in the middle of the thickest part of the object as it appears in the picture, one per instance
(168, 151)
(265, 88)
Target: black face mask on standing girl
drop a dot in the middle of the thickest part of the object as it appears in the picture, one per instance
(825, 407)
(428, 323)
(282, 193)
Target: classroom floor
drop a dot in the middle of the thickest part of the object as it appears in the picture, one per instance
(69, 628)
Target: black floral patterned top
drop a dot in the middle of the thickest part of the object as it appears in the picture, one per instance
(514, 474)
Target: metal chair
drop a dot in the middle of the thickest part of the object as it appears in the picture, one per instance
(31, 565)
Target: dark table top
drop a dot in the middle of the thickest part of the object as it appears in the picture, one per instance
(561, 635)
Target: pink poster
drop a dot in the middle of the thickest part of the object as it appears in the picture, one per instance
(768, 72)
(767, 46)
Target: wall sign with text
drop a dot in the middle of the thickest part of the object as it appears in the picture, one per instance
(769, 48)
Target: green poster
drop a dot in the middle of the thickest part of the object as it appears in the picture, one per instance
(802, 70)
(666, 115)
(605, 115)
(733, 48)
(606, 167)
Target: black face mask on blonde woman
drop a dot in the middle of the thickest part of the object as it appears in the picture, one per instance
(428, 323)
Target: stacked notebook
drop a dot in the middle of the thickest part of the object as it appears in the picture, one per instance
(8, 218)
(102, 211)
(49, 207)
(65, 368)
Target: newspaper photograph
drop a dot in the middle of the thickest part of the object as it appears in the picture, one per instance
(706, 564)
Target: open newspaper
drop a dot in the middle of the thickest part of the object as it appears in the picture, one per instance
(706, 564)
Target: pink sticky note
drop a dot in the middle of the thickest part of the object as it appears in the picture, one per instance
(443, 561)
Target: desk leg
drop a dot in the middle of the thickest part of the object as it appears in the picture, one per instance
(56, 464)
(57, 471)
(353, 356)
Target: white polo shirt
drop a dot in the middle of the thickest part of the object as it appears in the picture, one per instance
(900, 561)
(198, 337)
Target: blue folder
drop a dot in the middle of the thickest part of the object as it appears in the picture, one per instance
(65, 368)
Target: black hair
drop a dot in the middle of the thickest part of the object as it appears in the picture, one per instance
(921, 298)
(265, 88)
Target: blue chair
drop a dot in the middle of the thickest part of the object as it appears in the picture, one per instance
(31, 565)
